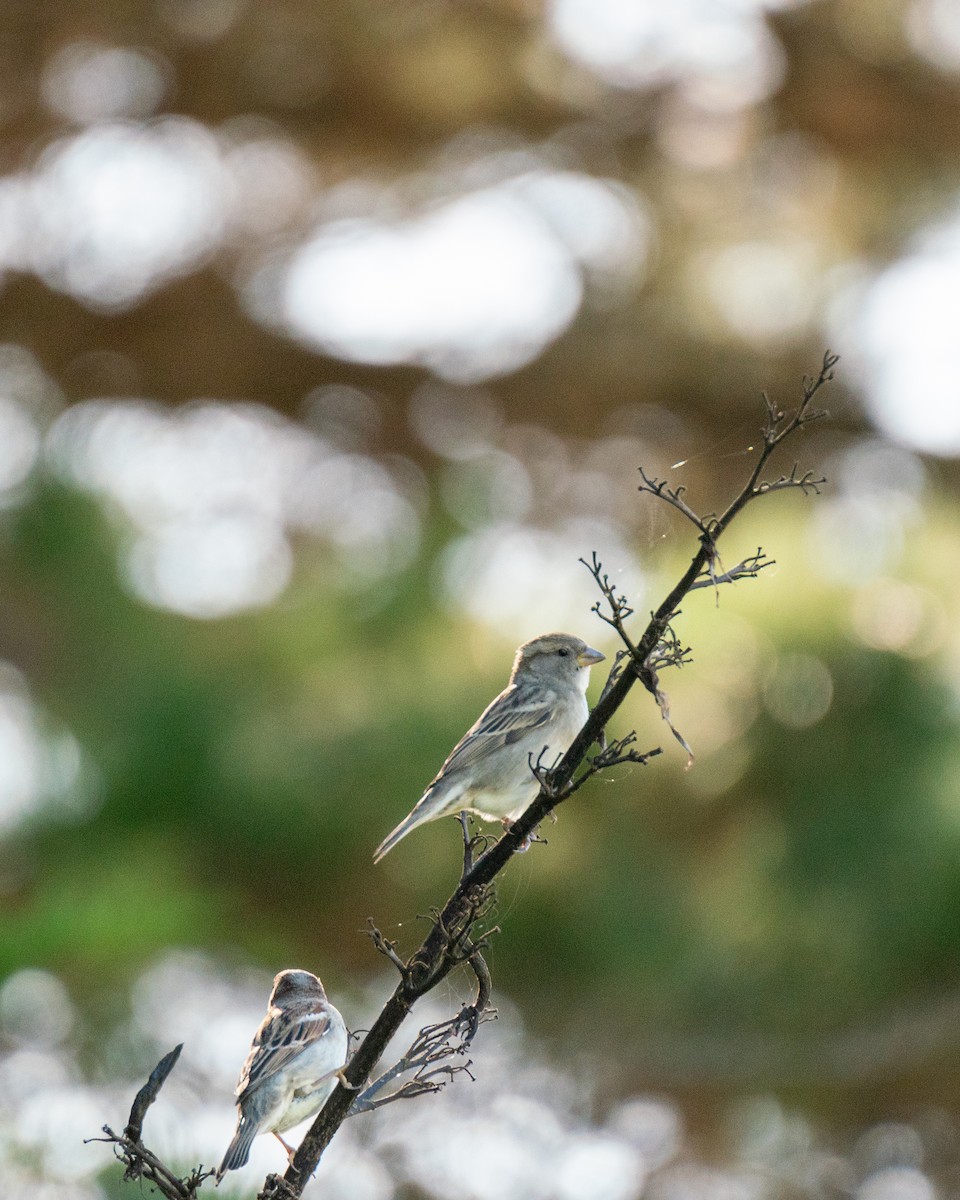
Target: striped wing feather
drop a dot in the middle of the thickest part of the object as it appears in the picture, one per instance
(279, 1039)
(515, 713)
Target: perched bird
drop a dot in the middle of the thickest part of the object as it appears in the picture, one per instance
(542, 709)
(297, 1055)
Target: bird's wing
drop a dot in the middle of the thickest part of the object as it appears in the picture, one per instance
(516, 712)
(280, 1038)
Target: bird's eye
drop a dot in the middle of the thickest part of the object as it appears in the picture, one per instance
(563, 653)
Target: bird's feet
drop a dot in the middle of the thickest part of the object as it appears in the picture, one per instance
(528, 841)
(289, 1149)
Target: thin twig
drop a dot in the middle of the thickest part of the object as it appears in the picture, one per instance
(750, 568)
(613, 755)
(672, 496)
(620, 609)
(428, 1055)
(387, 948)
(149, 1092)
(140, 1162)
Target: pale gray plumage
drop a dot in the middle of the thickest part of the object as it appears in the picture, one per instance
(291, 1068)
(542, 708)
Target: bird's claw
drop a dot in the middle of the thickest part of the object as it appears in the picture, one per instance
(528, 841)
(289, 1149)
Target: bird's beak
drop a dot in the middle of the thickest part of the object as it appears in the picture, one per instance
(586, 658)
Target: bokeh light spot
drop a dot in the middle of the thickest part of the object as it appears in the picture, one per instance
(35, 1009)
(19, 444)
(457, 423)
(88, 81)
(891, 615)
(211, 567)
(115, 210)
(896, 1183)
(524, 579)
(724, 52)
(800, 692)
(762, 290)
(485, 490)
(474, 288)
(903, 331)
(201, 20)
(214, 490)
(933, 27)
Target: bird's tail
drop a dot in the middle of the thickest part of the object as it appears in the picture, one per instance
(239, 1149)
(430, 807)
(401, 831)
(440, 798)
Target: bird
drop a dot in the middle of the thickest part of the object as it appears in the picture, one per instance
(297, 1055)
(540, 711)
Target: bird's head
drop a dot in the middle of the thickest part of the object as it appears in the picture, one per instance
(294, 986)
(556, 658)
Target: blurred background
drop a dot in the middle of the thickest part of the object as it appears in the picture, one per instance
(333, 334)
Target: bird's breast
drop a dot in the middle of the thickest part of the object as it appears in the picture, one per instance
(304, 1103)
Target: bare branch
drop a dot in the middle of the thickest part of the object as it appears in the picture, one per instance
(620, 609)
(652, 683)
(543, 774)
(138, 1161)
(807, 483)
(474, 1014)
(621, 659)
(669, 651)
(387, 948)
(433, 1045)
(457, 941)
(613, 755)
(750, 568)
(449, 941)
(472, 844)
(427, 1060)
(779, 425)
(777, 428)
(149, 1092)
(671, 496)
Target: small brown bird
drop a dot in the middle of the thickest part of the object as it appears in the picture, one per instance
(542, 709)
(297, 1054)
